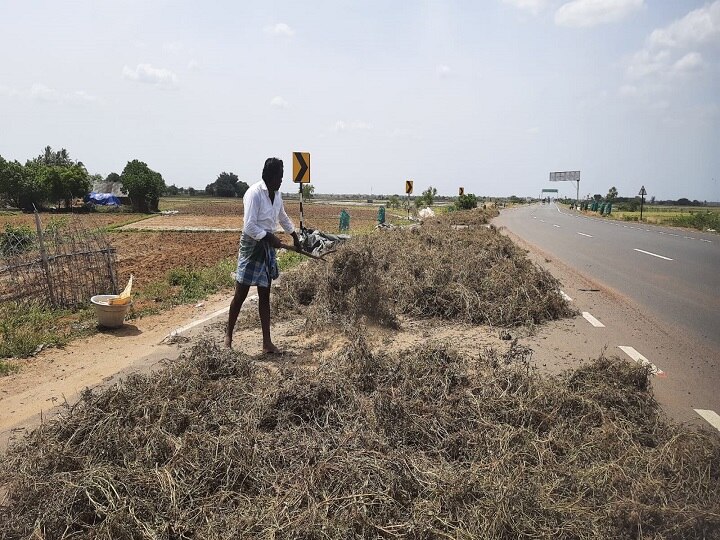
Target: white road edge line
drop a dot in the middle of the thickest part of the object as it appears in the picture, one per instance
(565, 296)
(653, 254)
(205, 319)
(583, 234)
(708, 241)
(637, 357)
(711, 417)
(558, 226)
(592, 320)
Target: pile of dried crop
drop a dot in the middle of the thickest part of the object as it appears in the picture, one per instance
(426, 444)
(473, 275)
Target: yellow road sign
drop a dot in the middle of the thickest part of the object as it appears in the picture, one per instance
(408, 186)
(301, 167)
(461, 191)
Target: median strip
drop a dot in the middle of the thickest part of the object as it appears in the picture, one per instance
(637, 357)
(711, 417)
(592, 320)
(653, 254)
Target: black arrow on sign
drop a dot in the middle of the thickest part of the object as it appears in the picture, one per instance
(303, 167)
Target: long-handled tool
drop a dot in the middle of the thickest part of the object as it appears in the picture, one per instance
(306, 253)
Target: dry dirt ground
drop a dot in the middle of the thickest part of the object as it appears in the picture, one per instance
(57, 376)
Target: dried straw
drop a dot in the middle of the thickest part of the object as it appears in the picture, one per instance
(424, 444)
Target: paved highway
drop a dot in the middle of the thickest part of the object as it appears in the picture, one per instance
(645, 292)
(674, 274)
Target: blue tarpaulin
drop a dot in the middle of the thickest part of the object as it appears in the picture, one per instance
(103, 199)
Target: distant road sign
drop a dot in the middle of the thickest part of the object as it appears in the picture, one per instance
(301, 167)
(408, 186)
(642, 191)
(565, 176)
(549, 190)
(461, 191)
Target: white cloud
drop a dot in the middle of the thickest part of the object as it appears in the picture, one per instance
(280, 29)
(41, 92)
(583, 13)
(172, 46)
(357, 125)
(697, 27)
(532, 130)
(279, 103)
(80, 96)
(442, 71)
(673, 49)
(147, 74)
(692, 61)
(533, 6)
(193, 65)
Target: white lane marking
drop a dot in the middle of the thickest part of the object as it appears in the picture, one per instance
(542, 221)
(672, 234)
(711, 417)
(625, 226)
(558, 226)
(688, 238)
(708, 241)
(653, 254)
(583, 234)
(565, 296)
(637, 357)
(534, 217)
(592, 320)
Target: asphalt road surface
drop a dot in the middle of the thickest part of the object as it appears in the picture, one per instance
(670, 276)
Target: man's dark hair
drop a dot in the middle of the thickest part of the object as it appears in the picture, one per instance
(273, 169)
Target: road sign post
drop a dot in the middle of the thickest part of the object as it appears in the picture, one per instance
(408, 191)
(568, 176)
(642, 200)
(301, 175)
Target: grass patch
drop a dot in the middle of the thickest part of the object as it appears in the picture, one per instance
(25, 327)
(184, 285)
(6, 368)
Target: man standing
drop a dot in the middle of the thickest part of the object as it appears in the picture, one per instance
(257, 263)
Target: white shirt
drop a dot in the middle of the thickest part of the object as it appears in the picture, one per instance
(260, 215)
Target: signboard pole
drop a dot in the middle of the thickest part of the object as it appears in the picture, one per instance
(301, 175)
(302, 225)
(642, 200)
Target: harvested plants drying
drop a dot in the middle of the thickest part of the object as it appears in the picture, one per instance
(474, 275)
(423, 444)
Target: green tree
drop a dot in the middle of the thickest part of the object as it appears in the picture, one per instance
(65, 182)
(22, 186)
(393, 201)
(467, 202)
(113, 177)
(308, 190)
(427, 198)
(612, 194)
(143, 185)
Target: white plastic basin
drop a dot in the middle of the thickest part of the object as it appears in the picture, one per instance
(109, 316)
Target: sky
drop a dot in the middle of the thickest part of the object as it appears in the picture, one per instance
(490, 95)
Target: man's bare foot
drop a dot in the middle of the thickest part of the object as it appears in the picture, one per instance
(228, 342)
(270, 349)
